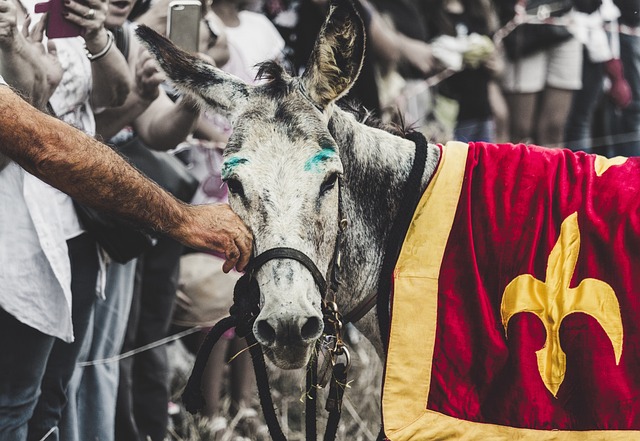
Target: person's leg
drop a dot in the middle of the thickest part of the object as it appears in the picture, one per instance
(629, 121)
(523, 79)
(242, 386)
(522, 108)
(61, 364)
(25, 353)
(578, 131)
(500, 113)
(475, 130)
(69, 422)
(563, 77)
(213, 377)
(99, 386)
(126, 428)
(552, 113)
(151, 368)
(242, 376)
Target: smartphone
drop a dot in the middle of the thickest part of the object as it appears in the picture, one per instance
(183, 23)
(57, 25)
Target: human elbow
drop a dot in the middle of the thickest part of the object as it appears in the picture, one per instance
(120, 93)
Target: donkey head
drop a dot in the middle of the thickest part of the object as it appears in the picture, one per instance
(281, 166)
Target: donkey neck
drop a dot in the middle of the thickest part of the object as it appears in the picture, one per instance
(376, 168)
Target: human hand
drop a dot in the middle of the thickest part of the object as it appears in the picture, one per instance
(494, 64)
(148, 76)
(620, 91)
(420, 55)
(53, 67)
(479, 51)
(90, 15)
(8, 24)
(216, 227)
(48, 57)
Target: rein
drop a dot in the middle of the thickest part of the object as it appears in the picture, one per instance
(245, 309)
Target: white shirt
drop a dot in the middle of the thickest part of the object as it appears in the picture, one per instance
(35, 274)
(70, 101)
(2, 81)
(254, 40)
(36, 220)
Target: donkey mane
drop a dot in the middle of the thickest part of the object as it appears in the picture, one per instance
(277, 80)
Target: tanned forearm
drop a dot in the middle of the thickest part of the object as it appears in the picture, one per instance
(90, 172)
(94, 174)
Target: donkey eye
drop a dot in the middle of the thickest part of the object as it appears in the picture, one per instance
(328, 183)
(235, 187)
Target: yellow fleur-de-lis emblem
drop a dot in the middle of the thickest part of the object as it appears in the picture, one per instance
(553, 300)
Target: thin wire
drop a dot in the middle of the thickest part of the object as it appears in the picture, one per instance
(46, 435)
(146, 347)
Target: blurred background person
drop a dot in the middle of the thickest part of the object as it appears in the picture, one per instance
(93, 75)
(464, 27)
(148, 114)
(51, 239)
(601, 65)
(539, 86)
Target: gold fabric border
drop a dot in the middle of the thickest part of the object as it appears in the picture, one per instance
(415, 302)
(436, 426)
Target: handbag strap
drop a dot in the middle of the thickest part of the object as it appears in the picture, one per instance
(122, 35)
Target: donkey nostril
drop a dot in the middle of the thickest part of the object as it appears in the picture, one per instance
(266, 335)
(311, 329)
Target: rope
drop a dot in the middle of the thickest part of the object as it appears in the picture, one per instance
(146, 347)
(607, 140)
(517, 20)
(46, 435)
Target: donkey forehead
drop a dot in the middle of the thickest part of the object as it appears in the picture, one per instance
(270, 121)
(278, 132)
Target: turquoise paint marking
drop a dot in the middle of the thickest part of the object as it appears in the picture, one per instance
(323, 155)
(230, 164)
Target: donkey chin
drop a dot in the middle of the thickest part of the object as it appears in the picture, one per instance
(290, 356)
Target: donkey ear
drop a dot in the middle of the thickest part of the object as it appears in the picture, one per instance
(209, 85)
(338, 54)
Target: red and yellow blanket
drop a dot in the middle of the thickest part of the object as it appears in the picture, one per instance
(516, 303)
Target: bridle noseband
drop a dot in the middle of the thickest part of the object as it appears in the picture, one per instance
(332, 318)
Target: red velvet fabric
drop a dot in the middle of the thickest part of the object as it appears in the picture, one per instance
(513, 201)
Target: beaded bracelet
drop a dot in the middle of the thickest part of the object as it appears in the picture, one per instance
(103, 52)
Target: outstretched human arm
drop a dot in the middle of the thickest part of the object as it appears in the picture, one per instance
(95, 175)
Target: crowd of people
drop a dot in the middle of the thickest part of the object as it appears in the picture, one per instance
(469, 70)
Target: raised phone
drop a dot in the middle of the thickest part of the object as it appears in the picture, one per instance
(183, 23)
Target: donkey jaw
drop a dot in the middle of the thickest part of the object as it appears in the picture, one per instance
(290, 356)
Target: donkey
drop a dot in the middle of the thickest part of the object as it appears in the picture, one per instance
(297, 165)
(289, 148)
